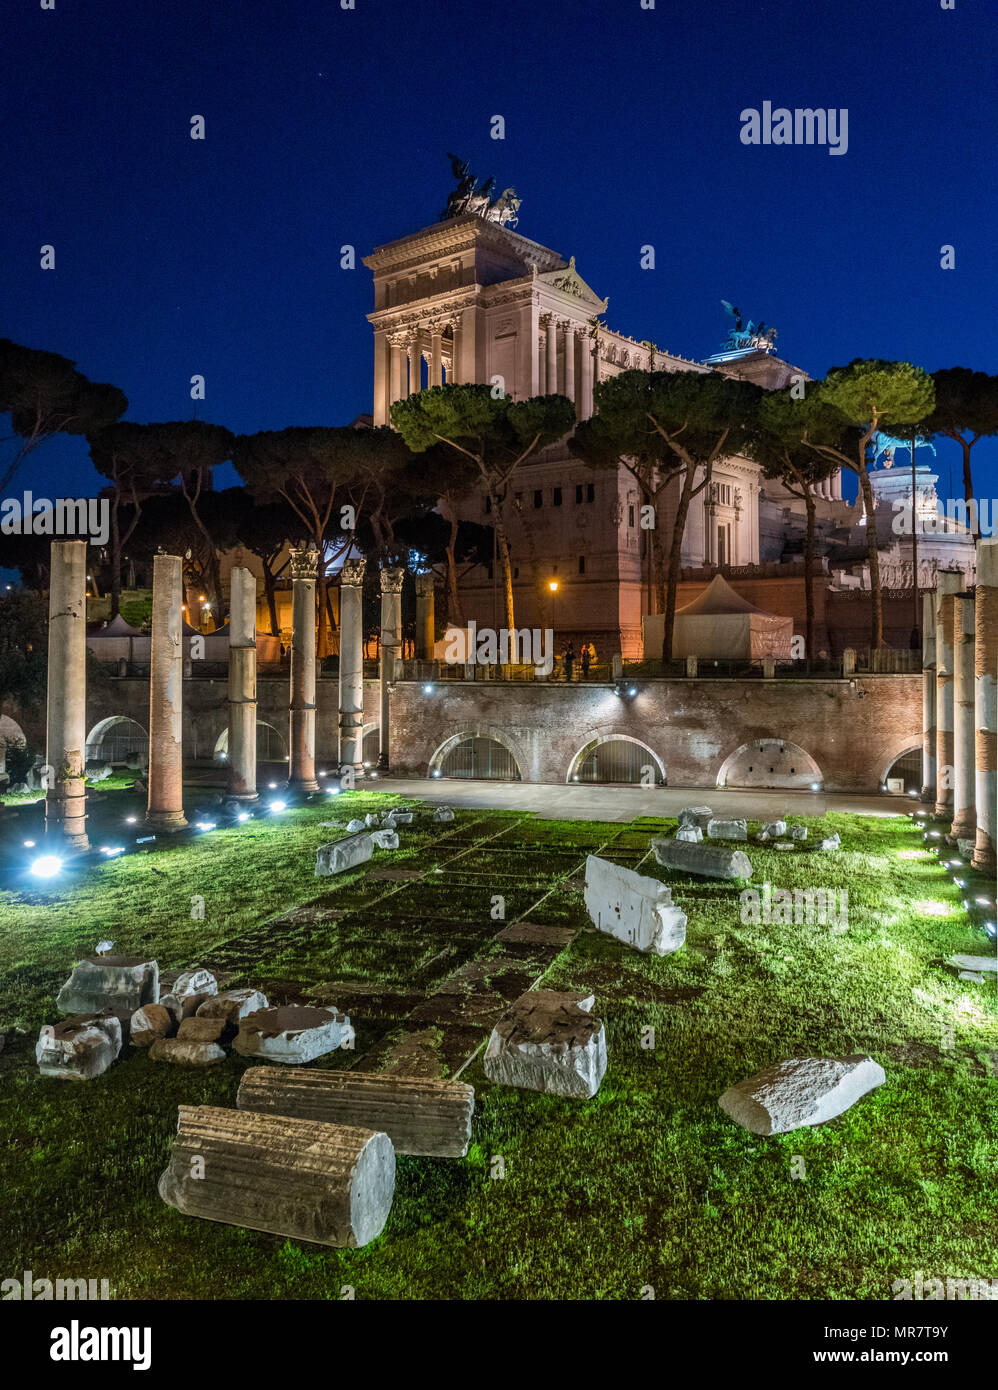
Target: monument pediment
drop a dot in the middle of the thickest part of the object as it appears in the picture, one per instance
(570, 282)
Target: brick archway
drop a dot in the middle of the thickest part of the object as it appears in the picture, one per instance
(771, 763)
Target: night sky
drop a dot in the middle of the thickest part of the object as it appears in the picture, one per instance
(327, 127)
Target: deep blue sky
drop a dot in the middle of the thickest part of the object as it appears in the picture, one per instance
(327, 127)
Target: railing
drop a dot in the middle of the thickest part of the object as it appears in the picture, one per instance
(888, 661)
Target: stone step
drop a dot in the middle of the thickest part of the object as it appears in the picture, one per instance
(420, 1115)
(330, 1184)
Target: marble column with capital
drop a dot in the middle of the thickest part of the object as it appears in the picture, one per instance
(66, 706)
(304, 565)
(396, 370)
(351, 680)
(415, 362)
(569, 334)
(551, 357)
(436, 356)
(391, 641)
(584, 405)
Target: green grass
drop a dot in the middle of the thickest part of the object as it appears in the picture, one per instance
(647, 1184)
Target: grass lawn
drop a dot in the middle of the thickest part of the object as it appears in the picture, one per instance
(647, 1184)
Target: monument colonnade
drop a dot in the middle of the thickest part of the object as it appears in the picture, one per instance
(443, 342)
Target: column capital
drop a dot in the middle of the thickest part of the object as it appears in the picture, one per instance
(352, 572)
(304, 562)
(425, 584)
(391, 580)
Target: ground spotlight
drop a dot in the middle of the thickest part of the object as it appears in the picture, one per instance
(427, 689)
(205, 824)
(47, 866)
(272, 786)
(333, 791)
(243, 815)
(112, 850)
(278, 805)
(130, 820)
(29, 844)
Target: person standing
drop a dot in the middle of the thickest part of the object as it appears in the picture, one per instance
(569, 661)
(584, 661)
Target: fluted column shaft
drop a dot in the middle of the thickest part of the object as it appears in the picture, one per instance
(66, 708)
(165, 809)
(570, 361)
(986, 704)
(948, 583)
(242, 684)
(304, 569)
(351, 683)
(964, 812)
(551, 354)
(928, 792)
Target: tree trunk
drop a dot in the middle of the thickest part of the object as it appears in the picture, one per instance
(502, 544)
(455, 613)
(269, 589)
(322, 585)
(968, 485)
(675, 560)
(873, 555)
(115, 560)
(809, 574)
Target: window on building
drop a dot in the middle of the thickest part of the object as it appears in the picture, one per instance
(578, 492)
(582, 564)
(557, 497)
(488, 504)
(630, 514)
(516, 571)
(538, 498)
(490, 570)
(590, 492)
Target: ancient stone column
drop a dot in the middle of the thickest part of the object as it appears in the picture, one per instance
(964, 811)
(986, 703)
(948, 583)
(242, 684)
(425, 619)
(165, 808)
(436, 356)
(928, 792)
(66, 709)
(304, 563)
(391, 640)
(351, 690)
(570, 361)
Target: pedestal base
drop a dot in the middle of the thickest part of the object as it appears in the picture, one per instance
(166, 820)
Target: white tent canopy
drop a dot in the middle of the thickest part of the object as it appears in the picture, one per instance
(721, 625)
